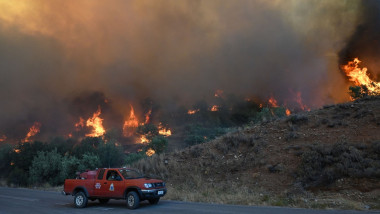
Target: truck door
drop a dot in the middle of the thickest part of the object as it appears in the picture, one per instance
(100, 188)
(114, 183)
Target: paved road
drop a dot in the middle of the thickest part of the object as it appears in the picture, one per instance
(35, 201)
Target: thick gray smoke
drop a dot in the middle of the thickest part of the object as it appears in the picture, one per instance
(175, 52)
(365, 42)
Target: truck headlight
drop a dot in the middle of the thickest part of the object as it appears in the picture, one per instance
(148, 185)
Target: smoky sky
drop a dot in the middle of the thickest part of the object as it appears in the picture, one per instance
(52, 52)
(365, 41)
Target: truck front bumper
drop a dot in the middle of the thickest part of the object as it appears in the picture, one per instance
(152, 193)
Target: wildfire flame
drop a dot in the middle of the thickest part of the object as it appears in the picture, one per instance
(17, 150)
(359, 76)
(3, 138)
(150, 152)
(147, 116)
(273, 102)
(300, 103)
(130, 124)
(97, 124)
(164, 131)
(79, 124)
(143, 139)
(218, 93)
(214, 108)
(35, 129)
(287, 112)
(192, 111)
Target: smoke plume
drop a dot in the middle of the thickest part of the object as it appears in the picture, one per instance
(62, 59)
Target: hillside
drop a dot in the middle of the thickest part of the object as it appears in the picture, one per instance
(328, 157)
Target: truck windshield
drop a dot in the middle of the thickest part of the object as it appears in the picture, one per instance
(130, 173)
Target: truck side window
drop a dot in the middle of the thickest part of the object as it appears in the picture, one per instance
(101, 174)
(112, 175)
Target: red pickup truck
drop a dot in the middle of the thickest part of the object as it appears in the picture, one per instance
(114, 183)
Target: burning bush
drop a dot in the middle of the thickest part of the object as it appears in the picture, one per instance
(362, 91)
(158, 144)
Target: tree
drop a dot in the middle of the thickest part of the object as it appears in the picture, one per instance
(149, 130)
(110, 154)
(5, 159)
(158, 144)
(357, 92)
(63, 145)
(46, 167)
(88, 144)
(70, 166)
(89, 161)
(26, 152)
(18, 177)
(133, 157)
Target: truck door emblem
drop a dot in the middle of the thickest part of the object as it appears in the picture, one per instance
(97, 185)
(111, 187)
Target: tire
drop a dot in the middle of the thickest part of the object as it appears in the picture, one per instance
(133, 200)
(103, 201)
(80, 200)
(154, 200)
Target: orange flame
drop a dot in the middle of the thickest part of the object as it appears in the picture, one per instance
(300, 103)
(3, 138)
(35, 129)
(192, 111)
(150, 152)
(79, 124)
(164, 131)
(218, 93)
(273, 102)
(359, 76)
(96, 123)
(131, 124)
(214, 108)
(147, 116)
(287, 112)
(17, 150)
(143, 139)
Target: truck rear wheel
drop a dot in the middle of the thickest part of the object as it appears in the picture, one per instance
(80, 200)
(133, 200)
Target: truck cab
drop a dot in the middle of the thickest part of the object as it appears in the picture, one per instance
(114, 183)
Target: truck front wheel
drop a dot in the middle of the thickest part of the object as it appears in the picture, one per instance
(80, 200)
(133, 200)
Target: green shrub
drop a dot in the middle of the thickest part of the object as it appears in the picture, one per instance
(6, 151)
(110, 154)
(46, 167)
(322, 166)
(17, 177)
(134, 157)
